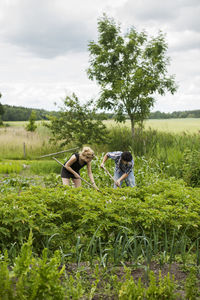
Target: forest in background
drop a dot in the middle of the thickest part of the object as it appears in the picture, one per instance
(19, 113)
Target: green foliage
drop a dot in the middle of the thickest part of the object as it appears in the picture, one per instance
(1, 112)
(31, 126)
(44, 167)
(19, 113)
(77, 123)
(159, 153)
(163, 289)
(52, 180)
(10, 167)
(175, 114)
(191, 285)
(24, 260)
(61, 225)
(44, 278)
(32, 278)
(129, 69)
(164, 204)
(15, 183)
(191, 167)
(6, 290)
(120, 139)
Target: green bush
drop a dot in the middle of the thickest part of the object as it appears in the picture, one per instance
(163, 288)
(32, 278)
(191, 167)
(166, 205)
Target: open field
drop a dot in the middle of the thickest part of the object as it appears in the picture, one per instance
(189, 125)
(175, 125)
(16, 142)
(167, 125)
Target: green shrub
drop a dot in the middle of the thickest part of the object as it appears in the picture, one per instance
(161, 289)
(191, 167)
(6, 288)
(32, 278)
(16, 183)
(69, 213)
(191, 285)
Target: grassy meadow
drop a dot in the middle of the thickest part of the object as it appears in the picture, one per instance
(166, 125)
(174, 125)
(17, 143)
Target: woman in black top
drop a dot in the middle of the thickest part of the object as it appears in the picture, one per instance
(74, 164)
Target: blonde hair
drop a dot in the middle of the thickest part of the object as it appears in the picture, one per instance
(86, 151)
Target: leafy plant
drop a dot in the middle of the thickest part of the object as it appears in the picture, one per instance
(77, 123)
(6, 289)
(129, 70)
(31, 126)
(191, 167)
(164, 288)
(191, 285)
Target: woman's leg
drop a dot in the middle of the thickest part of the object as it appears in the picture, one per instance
(66, 181)
(77, 182)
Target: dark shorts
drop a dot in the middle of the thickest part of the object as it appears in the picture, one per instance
(66, 174)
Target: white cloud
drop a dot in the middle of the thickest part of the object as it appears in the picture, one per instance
(41, 28)
(43, 47)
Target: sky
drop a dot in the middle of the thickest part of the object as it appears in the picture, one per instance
(44, 48)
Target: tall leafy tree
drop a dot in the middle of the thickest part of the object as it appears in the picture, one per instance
(77, 123)
(130, 70)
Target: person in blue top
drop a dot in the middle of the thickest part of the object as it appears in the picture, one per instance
(123, 167)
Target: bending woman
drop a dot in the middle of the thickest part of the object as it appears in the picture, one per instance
(74, 164)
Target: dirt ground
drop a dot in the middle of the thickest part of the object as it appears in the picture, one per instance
(175, 270)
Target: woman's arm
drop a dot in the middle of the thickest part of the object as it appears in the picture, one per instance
(68, 166)
(89, 169)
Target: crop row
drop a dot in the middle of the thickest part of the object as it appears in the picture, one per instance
(165, 209)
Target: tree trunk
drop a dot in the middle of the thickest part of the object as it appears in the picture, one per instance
(132, 128)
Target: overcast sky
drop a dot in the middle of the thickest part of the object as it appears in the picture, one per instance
(44, 56)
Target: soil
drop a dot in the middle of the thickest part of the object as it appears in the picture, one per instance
(176, 271)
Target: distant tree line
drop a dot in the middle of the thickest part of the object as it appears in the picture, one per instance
(19, 113)
(175, 114)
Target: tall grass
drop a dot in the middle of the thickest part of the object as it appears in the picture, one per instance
(168, 147)
(167, 150)
(152, 142)
(17, 143)
(189, 125)
(10, 167)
